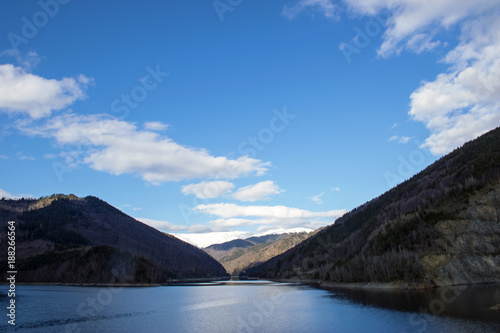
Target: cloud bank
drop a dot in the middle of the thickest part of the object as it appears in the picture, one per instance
(118, 147)
(265, 217)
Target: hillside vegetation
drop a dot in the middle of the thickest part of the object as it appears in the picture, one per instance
(441, 227)
(66, 239)
(241, 254)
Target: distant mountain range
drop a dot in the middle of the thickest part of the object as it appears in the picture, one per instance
(441, 227)
(240, 254)
(66, 239)
(203, 240)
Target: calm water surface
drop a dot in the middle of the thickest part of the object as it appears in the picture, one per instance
(255, 306)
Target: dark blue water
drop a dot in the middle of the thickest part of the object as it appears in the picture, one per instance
(257, 306)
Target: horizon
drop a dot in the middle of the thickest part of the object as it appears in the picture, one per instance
(239, 119)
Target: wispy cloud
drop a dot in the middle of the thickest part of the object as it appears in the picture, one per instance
(155, 126)
(317, 198)
(413, 25)
(260, 191)
(28, 60)
(49, 156)
(169, 227)
(163, 225)
(400, 139)
(24, 157)
(128, 206)
(326, 7)
(208, 190)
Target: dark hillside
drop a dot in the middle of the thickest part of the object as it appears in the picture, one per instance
(439, 227)
(69, 239)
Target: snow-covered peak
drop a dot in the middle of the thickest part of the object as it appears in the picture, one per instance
(204, 240)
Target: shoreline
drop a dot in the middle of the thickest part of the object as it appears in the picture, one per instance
(171, 282)
(381, 286)
(360, 285)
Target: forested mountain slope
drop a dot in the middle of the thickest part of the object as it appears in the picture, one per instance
(241, 254)
(66, 239)
(441, 227)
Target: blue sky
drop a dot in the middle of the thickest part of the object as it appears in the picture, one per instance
(223, 116)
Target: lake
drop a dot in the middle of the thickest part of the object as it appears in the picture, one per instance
(251, 306)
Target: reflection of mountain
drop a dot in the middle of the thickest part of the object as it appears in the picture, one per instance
(75, 240)
(440, 227)
(239, 254)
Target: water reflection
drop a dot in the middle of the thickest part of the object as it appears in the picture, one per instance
(251, 306)
(471, 302)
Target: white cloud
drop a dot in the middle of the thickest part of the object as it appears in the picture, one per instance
(228, 210)
(417, 22)
(326, 7)
(208, 190)
(266, 217)
(420, 43)
(26, 93)
(24, 157)
(223, 224)
(3, 157)
(463, 102)
(400, 139)
(317, 198)
(336, 189)
(259, 191)
(7, 195)
(27, 60)
(119, 147)
(155, 126)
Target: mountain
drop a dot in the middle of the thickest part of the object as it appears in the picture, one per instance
(240, 254)
(441, 227)
(66, 239)
(221, 250)
(202, 240)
